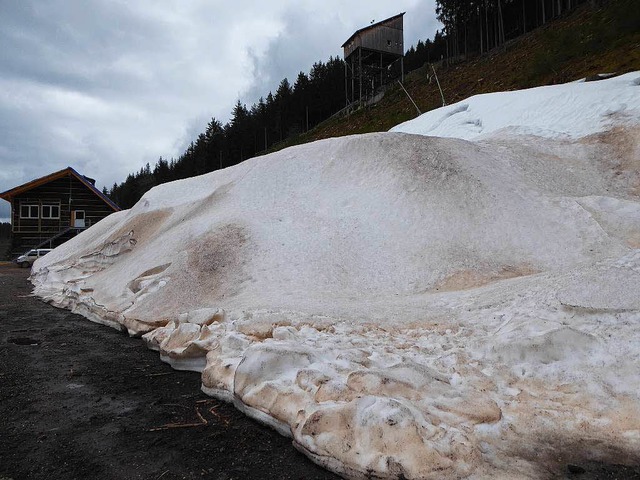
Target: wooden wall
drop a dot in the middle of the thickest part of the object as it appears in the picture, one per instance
(387, 37)
(68, 192)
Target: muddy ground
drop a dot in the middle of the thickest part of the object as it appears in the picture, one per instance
(80, 400)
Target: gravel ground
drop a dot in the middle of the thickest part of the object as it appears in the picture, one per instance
(80, 400)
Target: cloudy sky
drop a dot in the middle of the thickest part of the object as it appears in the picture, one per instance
(106, 86)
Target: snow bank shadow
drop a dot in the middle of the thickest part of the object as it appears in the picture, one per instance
(556, 455)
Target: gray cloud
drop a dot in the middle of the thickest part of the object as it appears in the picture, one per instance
(106, 86)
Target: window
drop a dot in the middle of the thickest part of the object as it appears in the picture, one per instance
(29, 211)
(50, 211)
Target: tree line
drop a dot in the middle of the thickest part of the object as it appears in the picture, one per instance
(5, 230)
(292, 110)
(478, 26)
(469, 27)
(429, 51)
(5, 242)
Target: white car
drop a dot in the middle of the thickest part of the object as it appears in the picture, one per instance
(27, 259)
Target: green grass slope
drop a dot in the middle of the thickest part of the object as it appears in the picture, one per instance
(582, 43)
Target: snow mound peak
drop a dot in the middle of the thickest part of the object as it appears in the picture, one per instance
(402, 306)
(571, 110)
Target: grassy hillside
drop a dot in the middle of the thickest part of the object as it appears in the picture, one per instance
(584, 42)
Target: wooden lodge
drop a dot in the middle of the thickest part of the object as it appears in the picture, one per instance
(50, 210)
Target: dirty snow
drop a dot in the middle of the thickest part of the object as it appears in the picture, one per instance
(402, 306)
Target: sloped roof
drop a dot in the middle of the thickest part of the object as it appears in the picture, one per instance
(369, 27)
(9, 194)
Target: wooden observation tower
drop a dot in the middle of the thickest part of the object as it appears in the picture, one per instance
(371, 57)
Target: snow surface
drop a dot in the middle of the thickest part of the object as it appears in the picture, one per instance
(571, 110)
(402, 306)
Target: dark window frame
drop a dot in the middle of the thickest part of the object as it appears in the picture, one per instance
(31, 207)
(50, 207)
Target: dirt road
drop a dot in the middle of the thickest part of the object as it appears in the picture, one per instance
(80, 400)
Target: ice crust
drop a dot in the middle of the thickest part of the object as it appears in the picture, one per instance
(402, 306)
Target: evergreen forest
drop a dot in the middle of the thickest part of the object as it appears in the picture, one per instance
(470, 28)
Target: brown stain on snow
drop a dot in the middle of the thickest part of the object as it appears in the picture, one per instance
(143, 225)
(213, 270)
(634, 242)
(621, 153)
(467, 279)
(216, 260)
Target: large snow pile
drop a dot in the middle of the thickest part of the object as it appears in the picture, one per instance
(402, 306)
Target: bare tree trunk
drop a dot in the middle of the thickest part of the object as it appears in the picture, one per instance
(544, 17)
(501, 22)
(524, 18)
(465, 39)
(454, 44)
(486, 24)
(480, 29)
(447, 44)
